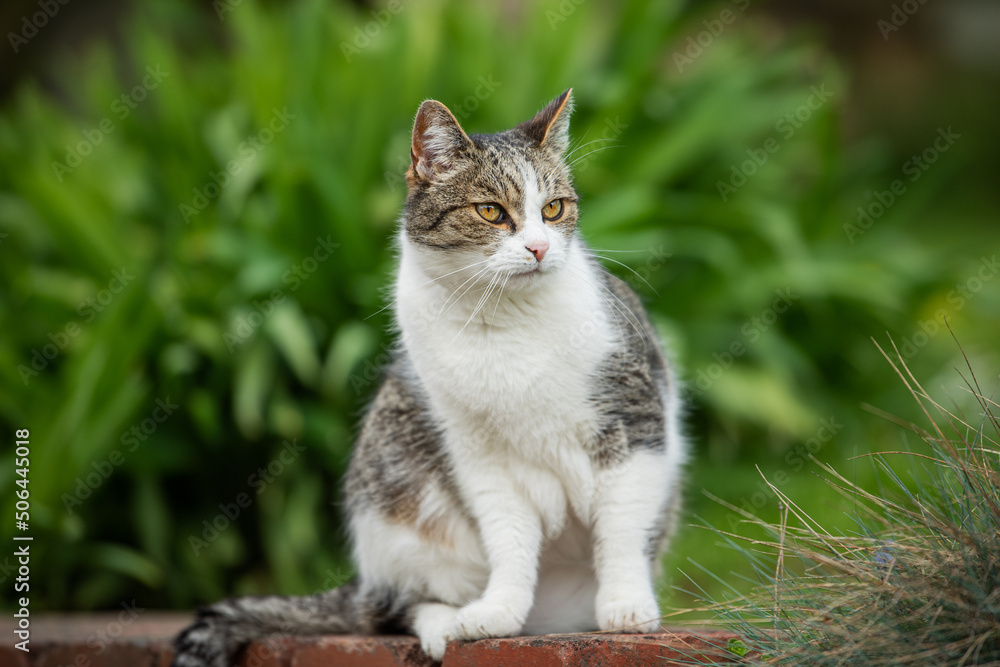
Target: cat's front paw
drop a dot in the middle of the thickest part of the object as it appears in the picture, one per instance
(436, 645)
(435, 625)
(639, 614)
(483, 618)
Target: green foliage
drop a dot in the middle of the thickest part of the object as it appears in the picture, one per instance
(134, 281)
(737, 647)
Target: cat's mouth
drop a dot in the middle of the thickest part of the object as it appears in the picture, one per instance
(527, 273)
(528, 270)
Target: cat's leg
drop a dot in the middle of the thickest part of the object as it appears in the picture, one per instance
(628, 516)
(511, 534)
(435, 559)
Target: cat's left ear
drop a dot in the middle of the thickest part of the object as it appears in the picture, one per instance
(550, 127)
(439, 143)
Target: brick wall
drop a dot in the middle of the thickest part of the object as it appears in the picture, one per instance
(128, 640)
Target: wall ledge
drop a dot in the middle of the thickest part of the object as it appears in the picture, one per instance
(143, 640)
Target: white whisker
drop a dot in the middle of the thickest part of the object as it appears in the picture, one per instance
(445, 308)
(610, 259)
(597, 250)
(582, 145)
(393, 302)
(482, 302)
(493, 317)
(589, 153)
(627, 313)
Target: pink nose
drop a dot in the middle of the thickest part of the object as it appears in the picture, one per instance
(538, 249)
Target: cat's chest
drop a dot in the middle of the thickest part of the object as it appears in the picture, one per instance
(536, 371)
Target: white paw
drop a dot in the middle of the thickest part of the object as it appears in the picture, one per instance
(482, 618)
(436, 644)
(436, 627)
(634, 614)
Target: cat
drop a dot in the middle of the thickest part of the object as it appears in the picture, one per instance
(519, 469)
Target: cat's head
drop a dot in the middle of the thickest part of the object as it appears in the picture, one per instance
(503, 203)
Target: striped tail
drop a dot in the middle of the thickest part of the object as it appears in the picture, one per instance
(224, 628)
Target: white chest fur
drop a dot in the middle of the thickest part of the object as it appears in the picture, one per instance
(513, 383)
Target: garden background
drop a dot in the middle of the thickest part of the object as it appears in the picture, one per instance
(197, 205)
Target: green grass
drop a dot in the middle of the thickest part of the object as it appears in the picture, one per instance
(912, 581)
(328, 172)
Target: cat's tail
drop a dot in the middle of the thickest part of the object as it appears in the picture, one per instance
(222, 629)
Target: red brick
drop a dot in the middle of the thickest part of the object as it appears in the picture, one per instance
(71, 641)
(274, 652)
(79, 655)
(388, 651)
(595, 650)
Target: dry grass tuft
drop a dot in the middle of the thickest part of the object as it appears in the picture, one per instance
(916, 582)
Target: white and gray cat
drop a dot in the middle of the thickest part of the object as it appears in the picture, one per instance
(519, 470)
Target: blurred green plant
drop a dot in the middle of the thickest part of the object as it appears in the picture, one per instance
(198, 230)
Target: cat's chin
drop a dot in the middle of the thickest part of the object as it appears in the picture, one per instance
(528, 278)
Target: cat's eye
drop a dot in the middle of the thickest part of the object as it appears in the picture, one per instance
(489, 212)
(553, 210)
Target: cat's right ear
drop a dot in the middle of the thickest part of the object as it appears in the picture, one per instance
(439, 143)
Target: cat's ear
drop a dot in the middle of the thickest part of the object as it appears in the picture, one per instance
(550, 127)
(439, 142)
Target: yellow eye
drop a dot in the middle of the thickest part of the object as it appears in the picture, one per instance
(553, 210)
(489, 212)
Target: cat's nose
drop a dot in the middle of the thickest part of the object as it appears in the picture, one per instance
(538, 248)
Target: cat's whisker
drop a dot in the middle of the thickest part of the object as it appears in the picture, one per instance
(493, 317)
(630, 316)
(480, 304)
(580, 158)
(597, 250)
(589, 153)
(451, 273)
(610, 259)
(582, 276)
(386, 306)
(432, 280)
(445, 307)
(569, 154)
(482, 296)
(486, 293)
(576, 144)
(563, 165)
(627, 314)
(611, 305)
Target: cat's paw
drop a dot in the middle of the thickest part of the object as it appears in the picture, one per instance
(436, 644)
(435, 626)
(639, 614)
(483, 618)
